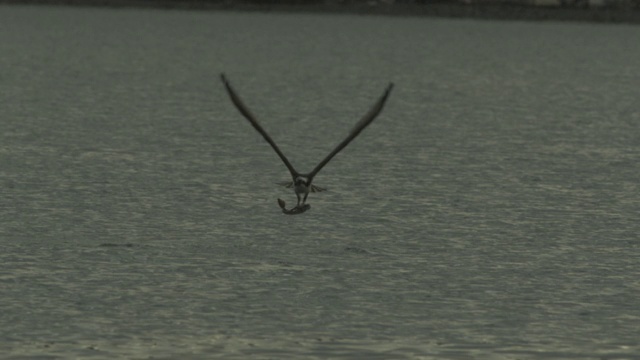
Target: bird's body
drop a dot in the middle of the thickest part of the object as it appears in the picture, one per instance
(301, 188)
(302, 183)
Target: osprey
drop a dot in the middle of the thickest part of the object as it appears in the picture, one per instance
(302, 183)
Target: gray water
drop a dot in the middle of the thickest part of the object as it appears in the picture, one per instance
(491, 211)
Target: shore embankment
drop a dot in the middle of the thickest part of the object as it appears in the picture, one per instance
(490, 10)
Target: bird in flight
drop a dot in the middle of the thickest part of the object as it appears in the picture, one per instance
(302, 183)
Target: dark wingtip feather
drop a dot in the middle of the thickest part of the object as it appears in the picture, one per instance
(388, 90)
(223, 77)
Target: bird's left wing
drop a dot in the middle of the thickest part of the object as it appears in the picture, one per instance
(244, 110)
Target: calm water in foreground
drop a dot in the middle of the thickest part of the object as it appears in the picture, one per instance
(491, 212)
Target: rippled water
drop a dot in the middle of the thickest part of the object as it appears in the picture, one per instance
(491, 211)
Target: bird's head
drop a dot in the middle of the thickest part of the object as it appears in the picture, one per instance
(300, 181)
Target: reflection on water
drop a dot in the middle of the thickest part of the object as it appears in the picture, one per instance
(491, 210)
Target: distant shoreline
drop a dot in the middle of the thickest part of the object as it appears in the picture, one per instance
(488, 11)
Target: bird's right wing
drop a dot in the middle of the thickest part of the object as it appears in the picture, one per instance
(252, 119)
(360, 125)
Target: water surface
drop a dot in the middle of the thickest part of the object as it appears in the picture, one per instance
(491, 211)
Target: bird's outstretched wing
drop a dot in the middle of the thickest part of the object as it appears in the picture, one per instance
(313, 188)
(252, 119)
(360, 125)
(287, 184)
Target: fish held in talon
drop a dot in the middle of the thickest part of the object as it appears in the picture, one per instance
(302, 183)
(294, 210)
(281, 203)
